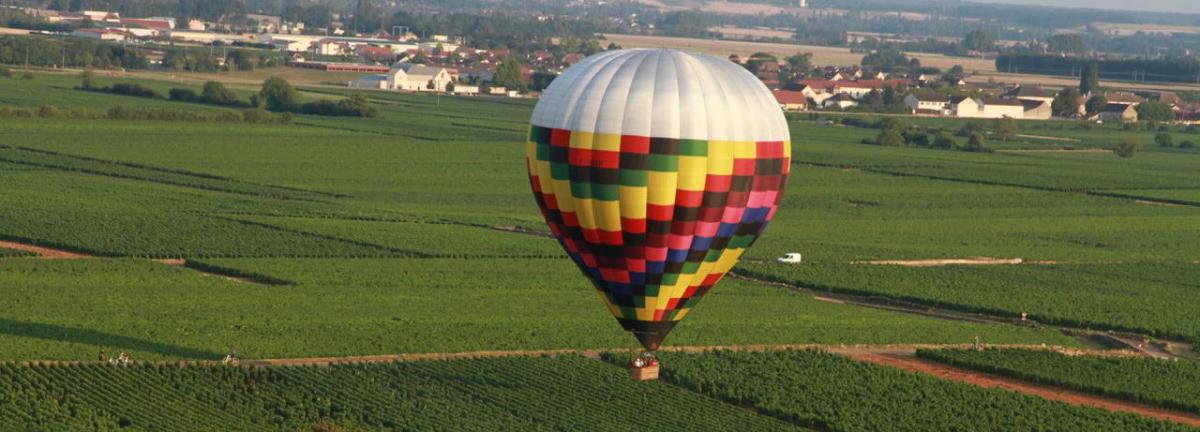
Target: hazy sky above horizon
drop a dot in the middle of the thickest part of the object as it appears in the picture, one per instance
(1186, 6)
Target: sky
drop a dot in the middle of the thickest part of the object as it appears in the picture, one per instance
(1186, 6)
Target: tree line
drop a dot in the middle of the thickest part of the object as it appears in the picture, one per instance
(1170, 69)
(276, 95)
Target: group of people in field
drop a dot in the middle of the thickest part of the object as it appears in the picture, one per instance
(121, 359)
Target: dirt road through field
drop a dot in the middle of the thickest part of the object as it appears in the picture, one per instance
(56, 254)
(912, 363)
(40, 251)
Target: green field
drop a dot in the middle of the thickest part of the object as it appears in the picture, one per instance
(520, 393)
(1170, 384)
(831, 392)
(415, 232)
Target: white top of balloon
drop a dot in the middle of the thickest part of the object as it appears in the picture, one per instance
(662, 93)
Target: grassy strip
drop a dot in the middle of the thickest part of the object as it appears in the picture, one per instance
(1164, 383)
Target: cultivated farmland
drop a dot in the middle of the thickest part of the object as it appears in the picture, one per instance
(415, 232)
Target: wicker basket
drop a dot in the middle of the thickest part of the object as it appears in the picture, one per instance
(646, 373)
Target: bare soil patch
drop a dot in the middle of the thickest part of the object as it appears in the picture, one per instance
(946, 262)
(751, 32)
(1056, 150)
(914, 364)
(1048, 138)
(42, 252)
(822, 55)
(51, 253)
(1158, 203)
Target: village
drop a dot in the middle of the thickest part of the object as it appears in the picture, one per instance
(400, 60)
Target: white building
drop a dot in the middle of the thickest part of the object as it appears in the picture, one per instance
(418, 77)
(205, 37)
(446, 46)
(987, 108)
(927, 102)
(961, 106)
(104, 34)
(374, 82)
(840, 100)
(1002, 108)
(464, 89)
(332, 47)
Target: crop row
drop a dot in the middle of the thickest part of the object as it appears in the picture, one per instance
(826, 391)
(345, 307)
(1171, 384)
(528, 393)
(94, 166)
(1157, 299)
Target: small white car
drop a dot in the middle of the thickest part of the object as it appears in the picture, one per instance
(790, 258)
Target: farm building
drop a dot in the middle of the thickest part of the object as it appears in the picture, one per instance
(331, 47)
(927, 102)
(374, 82)
(340, 67)
(418, 77)
(791, 100)
(465, 89)
(962, 106)
(1118, 112)
(1029, 93)
(1037, 110)
(104, 34)
(1001, 108)
(840, 100)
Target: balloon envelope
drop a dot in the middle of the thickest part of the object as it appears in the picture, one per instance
(656, 169)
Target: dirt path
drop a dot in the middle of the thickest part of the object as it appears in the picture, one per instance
(595, 353)
(946, 262)
(1055, 150)
(895, 305)
(43, 252)
(912, 363)
(1048, 138)
(56, 254)
(1158, 203)
(1148, 349)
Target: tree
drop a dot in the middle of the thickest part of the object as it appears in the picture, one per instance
(1005, 128)
(1155, 112)
(1066, 103)
(801, 62)
(684, 23)
(278, 94)
(944, 140)
(1067, 43)
(87, 80)
(954, 75)
(508, 74)
(1164, 139)
(890, 137)
(541, 80)
(1089, 80)
(1128, 147)
(977, 144)
(979, 40)
(216, 93)
(888, 59)
(1096, 104)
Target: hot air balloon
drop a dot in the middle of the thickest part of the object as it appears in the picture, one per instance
(656, 169)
